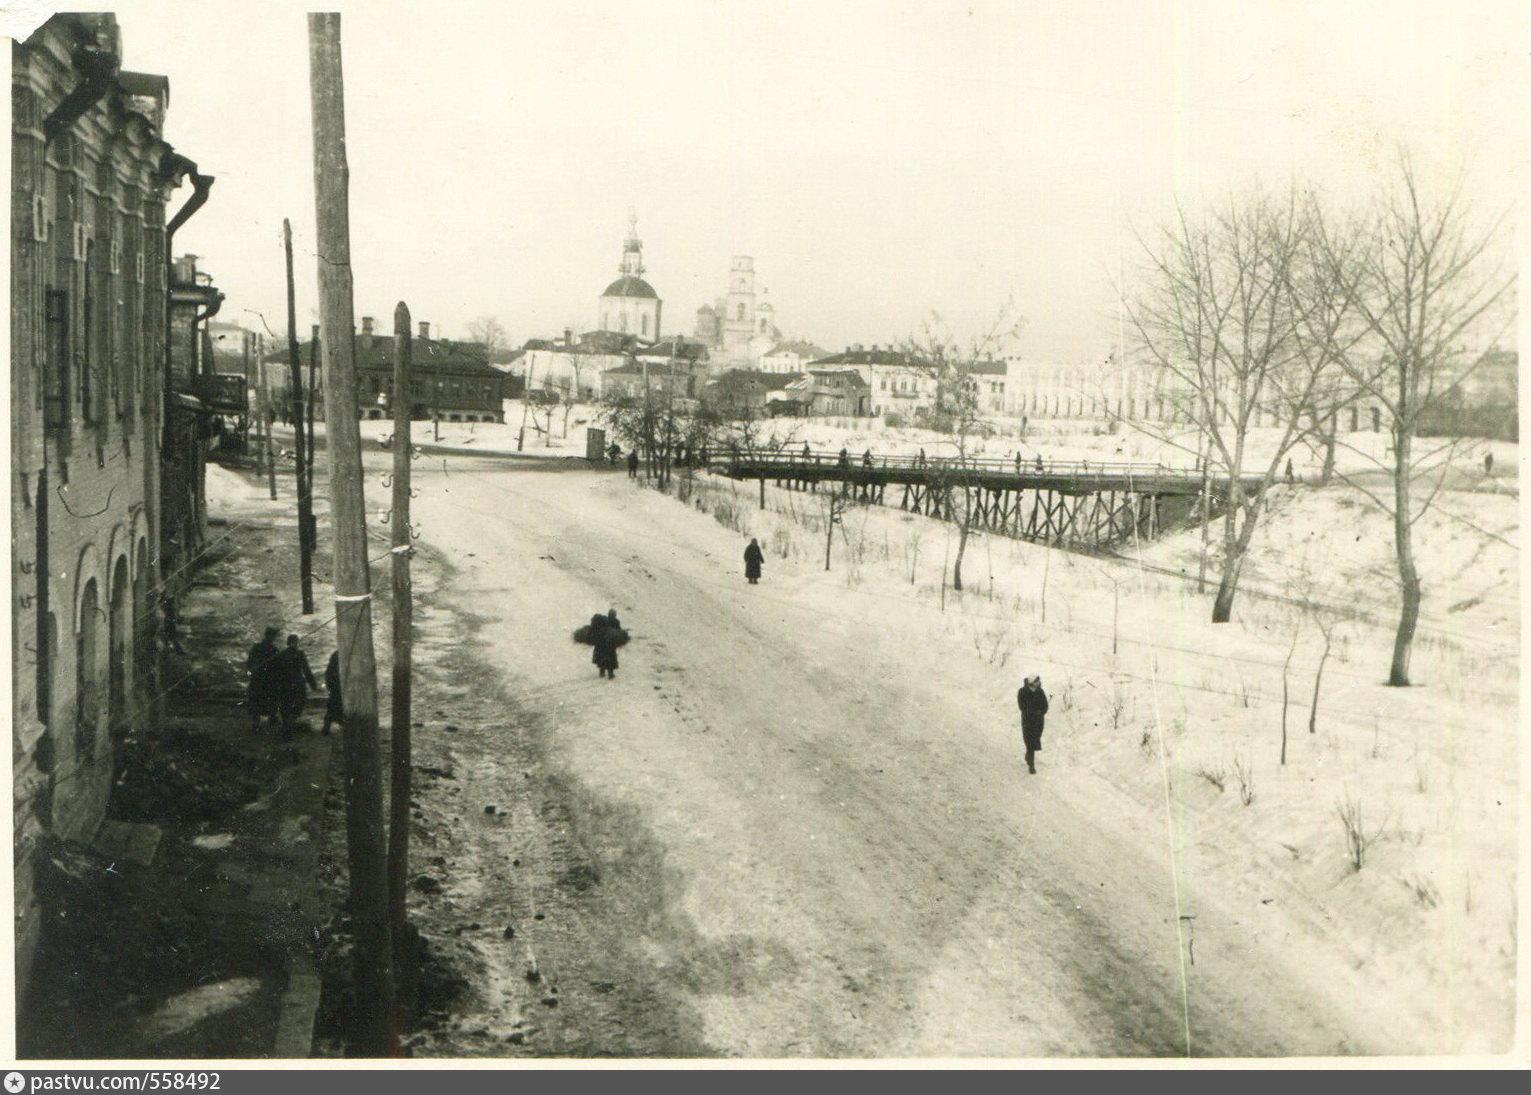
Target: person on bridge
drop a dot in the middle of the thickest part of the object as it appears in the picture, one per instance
(754, 559)
(632, 464)
(1040, 465)
(845, 458)
(920, 460)
(1033, 704)
(807, 452)
(1017, 463)
(866, 459)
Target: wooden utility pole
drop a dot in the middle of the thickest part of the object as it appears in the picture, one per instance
(375, 1033)
(305, 483)
(270, 448)
(403, 631)
(313, 400)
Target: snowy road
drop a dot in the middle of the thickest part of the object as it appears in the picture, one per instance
(842, 853)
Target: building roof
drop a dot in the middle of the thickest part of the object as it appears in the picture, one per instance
(376, 352)
(740, 377)
(686, 348)
(849, 374)
(630, 286)
(873, 357)
(798, 348)
(987, 368)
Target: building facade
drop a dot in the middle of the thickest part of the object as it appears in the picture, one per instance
(452, 381)
(897, 382)
(91, 180)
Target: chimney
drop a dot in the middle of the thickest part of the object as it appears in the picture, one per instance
(425, 330)
(366, 325)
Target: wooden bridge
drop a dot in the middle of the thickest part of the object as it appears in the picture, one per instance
(1078, 503)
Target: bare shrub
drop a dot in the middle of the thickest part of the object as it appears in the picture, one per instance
(1244, 776)
(1214, 774)
(1357, 838)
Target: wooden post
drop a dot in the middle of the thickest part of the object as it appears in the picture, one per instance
(403, 632)
(305, 483)
(374, 1033)
(313, 399)
(270, 448)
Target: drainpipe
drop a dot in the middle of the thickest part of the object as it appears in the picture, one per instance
(173, 167)
(98, 69)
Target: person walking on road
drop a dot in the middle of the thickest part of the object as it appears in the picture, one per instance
(262, 695)
(754, 559)
(334, 709)
(293, 680)
(1033, 704)
(606, 635)
(632, 464)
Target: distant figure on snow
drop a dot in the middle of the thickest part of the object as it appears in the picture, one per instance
(754, 559)
(1033, 704)
(263, 696)
(334, 709)
(1488, 463)
(632, 464)
(613, 452)
(293, 680)
(1291, 475)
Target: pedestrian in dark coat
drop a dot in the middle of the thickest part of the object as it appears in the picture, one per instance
(1033, 704)
(263, 696)
(754, 559)
(632, 464)
(293, 680)
(606, 635)
(334, 708)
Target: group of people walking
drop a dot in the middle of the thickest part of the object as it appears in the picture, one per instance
(280, 679)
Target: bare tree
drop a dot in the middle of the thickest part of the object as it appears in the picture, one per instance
(1225, 313)
(959, 407)
(1420, 273)
(489, 333)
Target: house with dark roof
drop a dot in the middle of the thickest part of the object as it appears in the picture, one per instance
(744, 393)
(840, 392)
(898, 382)
(450, 381)
(633, 380)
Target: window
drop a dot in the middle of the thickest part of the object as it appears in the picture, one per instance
(741, 311)
(645, 325)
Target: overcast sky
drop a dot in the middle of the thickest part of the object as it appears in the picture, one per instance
(879, 160)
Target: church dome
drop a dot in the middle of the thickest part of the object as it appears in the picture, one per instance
(630, 286)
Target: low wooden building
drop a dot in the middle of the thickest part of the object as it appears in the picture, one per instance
(453, 381)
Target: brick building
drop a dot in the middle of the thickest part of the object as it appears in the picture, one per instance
(91, 179)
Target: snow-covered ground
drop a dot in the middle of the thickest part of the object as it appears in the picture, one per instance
(1162, 777)
(829, 760)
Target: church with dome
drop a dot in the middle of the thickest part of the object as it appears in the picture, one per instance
(629, 305)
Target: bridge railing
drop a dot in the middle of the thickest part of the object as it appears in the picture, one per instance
(836, 460)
